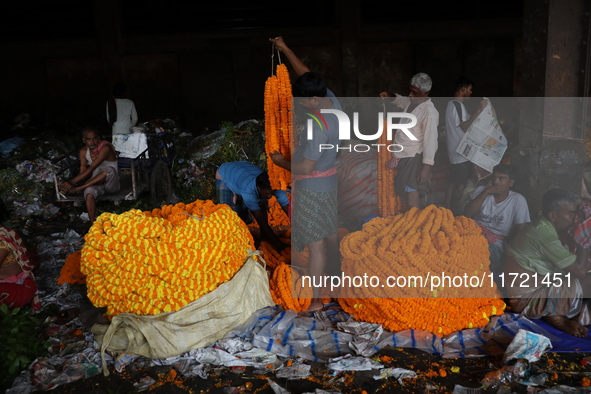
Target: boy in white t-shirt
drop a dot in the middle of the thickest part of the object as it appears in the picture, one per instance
(499, 211)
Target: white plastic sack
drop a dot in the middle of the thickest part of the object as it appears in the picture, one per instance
(130, 145)
(198, 324)
(527, 345)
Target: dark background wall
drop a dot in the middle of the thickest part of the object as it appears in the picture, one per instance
(201, 66)
(204, 65)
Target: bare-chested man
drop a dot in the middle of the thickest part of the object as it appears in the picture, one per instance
(98, 166)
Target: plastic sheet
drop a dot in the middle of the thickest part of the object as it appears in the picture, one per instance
(291, 335)
(295, 371)
(10, 144)
(492, 339)
(521, 372)
(286, 333)
(527, 345)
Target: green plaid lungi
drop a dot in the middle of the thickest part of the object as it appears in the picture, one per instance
(314, 217)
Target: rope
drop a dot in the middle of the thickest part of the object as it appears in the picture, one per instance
(273, 58)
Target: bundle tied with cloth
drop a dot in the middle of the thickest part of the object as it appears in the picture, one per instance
(173, 279)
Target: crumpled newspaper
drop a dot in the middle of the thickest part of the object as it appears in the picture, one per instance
(348, 363)
(366, 336)
(396, 373)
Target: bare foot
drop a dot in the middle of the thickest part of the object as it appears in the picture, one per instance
(566, 325)
(316, 305)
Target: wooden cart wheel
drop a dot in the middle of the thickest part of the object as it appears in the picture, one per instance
(160, 184)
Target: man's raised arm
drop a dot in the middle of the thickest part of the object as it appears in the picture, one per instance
(298, 66)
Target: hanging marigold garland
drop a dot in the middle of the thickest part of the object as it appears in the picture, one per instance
(388, 202)
(278, 113)
(418, 242)
(152, 262)
(70, 272)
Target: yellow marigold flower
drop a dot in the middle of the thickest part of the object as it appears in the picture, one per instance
(136, 262)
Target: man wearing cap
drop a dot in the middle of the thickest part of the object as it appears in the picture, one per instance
(414, 162)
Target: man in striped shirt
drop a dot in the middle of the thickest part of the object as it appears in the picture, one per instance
(246, 188)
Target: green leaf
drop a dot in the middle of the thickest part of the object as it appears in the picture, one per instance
(14, 366)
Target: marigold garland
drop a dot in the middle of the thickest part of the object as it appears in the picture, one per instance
(415, 243)
(70, 272)
(388, 202)
(152, 262)
(272, 257)
(283, 281)
(281, 276)
(276, 216)
(278, 125)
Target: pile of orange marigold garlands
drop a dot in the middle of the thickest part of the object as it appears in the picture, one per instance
(70, 272)
(420, 243)
(159, 261)
(278, 122)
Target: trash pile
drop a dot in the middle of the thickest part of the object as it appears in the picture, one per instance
(281, 344)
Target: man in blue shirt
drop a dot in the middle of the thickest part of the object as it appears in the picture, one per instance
(246, 188)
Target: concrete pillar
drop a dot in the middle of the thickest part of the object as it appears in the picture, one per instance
(555, 63)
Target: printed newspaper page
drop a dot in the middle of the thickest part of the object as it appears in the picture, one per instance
(484, 142)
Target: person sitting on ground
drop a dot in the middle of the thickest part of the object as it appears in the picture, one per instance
(121, 113)
(499, 211)
(559, 292)
(17, 282)
(246, 188)
(98, 170)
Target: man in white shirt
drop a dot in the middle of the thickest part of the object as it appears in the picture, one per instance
(414, 162)
(457, 122)
(121, 113)
(499, 211)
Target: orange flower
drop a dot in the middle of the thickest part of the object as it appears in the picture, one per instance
(287, 289)
(278, 125)
(159, 261)
(414, 244)
(70, 272)
(388, 202)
